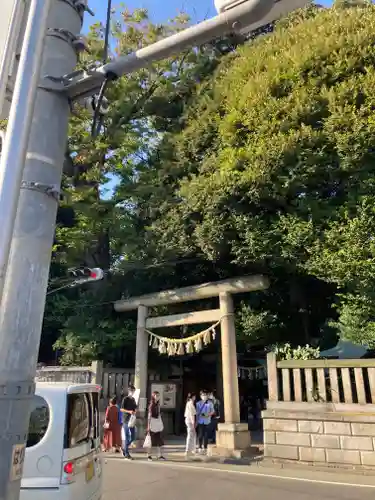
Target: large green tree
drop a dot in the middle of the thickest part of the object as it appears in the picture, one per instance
(97, 228)
(257, 160)
(274, 169)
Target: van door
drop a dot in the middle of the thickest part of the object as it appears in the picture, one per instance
(44, 445)
(81, 461)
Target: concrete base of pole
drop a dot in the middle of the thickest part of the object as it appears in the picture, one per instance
(232, 441)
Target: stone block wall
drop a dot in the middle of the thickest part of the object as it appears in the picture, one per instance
(340, 438)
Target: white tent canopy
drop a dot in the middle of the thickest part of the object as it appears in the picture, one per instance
(345, 350)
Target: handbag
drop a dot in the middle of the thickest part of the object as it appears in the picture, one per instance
(132, 421)
(156, 424)
(147, 443)
(106, 425)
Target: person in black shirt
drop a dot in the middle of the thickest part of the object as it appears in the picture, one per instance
(215, 418)
(128, 408)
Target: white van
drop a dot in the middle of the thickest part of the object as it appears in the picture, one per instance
(62, 459)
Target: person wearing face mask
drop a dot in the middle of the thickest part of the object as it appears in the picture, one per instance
(205, 411)
(128, 409)
(190, 421)
(155, 427)
(215, 417)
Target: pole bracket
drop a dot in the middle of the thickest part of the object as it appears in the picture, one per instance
(65, 35)
(52, 84)
(81, 6)
(49, 190)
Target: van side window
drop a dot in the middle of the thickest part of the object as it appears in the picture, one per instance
(39, 421)
(78, 419)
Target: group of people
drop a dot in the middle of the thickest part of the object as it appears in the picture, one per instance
(120, 425)
(201, 419)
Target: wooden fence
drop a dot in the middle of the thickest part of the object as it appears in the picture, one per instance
(321, 380)
(116, 380)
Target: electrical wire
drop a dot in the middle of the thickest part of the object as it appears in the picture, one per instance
(135, 267)
(107, 31)
(97, 121)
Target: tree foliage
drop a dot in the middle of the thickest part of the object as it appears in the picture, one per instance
(98, 228)
(276, 163)
(231, 162)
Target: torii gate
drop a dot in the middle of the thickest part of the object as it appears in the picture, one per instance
(233, 437)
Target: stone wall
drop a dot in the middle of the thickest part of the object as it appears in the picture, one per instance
(320, 437)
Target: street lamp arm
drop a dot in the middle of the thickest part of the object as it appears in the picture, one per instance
(86, 83)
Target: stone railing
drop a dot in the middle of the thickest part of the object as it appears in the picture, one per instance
(72, 374)
(321, 411)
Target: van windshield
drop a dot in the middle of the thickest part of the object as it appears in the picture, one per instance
(82, 423)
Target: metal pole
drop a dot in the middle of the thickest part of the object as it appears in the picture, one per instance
(26, 280)
(17, 135)
(234, 20)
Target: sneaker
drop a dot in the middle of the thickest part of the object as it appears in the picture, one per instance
(161, 458)
(128, 457)
(149, 458)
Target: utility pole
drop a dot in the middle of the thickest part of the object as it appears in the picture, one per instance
(24, 292)
(19, 125)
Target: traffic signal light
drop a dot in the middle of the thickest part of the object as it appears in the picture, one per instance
(87, 274)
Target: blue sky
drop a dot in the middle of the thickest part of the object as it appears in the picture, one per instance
(160, 10)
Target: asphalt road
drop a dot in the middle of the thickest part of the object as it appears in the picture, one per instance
(140, 480)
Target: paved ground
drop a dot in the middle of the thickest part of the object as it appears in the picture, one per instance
(178, 480)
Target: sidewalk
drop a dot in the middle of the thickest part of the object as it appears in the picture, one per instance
(174, 451)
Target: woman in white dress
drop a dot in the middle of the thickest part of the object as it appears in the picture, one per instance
(190, 421)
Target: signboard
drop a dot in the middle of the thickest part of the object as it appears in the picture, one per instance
(13, 20)
(18, 458)
(167, 393)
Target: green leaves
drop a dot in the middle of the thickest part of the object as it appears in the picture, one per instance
(286, 352)
(261, 160)
(275, 163)
(115, 177)
(357, 319)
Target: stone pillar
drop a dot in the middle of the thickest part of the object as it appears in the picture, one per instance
(141, 370)
(97, 373)
(229, 360)
(233, 438)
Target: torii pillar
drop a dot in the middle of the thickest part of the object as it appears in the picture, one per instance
(233, 438)
(141, 369)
